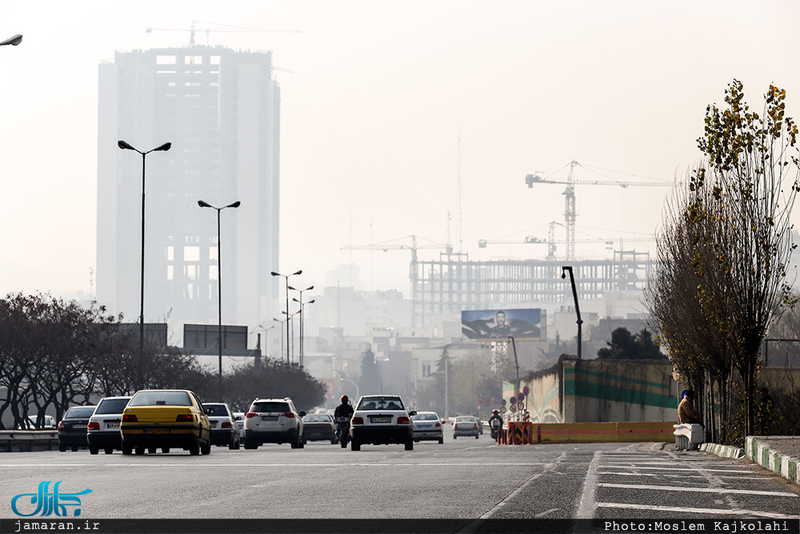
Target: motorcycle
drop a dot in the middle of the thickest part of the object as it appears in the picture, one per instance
(495, 426)
(343, 430)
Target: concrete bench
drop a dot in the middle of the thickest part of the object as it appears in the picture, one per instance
(688, 437)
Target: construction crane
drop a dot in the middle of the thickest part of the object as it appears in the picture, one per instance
(551, 241)
(218, 28)
(413, 247)
(569, 197)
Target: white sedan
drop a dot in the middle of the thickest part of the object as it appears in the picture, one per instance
(381, 420)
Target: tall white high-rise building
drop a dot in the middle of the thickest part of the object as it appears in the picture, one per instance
(220, 109)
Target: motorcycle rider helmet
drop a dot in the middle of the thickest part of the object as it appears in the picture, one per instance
(344, 399)
(495, 411)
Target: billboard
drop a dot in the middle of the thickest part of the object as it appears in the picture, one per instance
(489, 325)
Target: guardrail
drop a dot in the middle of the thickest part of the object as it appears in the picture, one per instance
(28, 440)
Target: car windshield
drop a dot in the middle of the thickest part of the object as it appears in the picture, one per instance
(317, 419)
(216, 410)
(79, 412)
(425, 417)
(161, 398)
(111, 406)
(272, 407)
(381, 403)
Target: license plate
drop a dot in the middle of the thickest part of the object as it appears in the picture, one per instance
(156, 431)
(78, 426)
(269, 417)
(111, 426)
(213, 424)
(380, 419)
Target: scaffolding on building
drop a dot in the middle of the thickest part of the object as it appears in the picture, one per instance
(454, 283)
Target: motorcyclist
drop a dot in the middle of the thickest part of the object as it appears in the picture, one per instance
(344, 409)
(495, 427)
(342, 415)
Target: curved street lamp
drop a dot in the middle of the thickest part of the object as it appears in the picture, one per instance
(162, 148)
(204, 204)
(286, 277)
(13, 41)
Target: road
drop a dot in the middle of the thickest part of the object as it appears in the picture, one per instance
(461, 479)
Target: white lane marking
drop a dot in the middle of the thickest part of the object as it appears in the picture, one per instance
(548, 468)
(231, 465)
(588, 504)
(680, 469)
(547, 512)
(737, 477)
(683, 510)
(699, 490)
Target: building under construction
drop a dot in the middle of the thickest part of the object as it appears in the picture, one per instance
(454, 283)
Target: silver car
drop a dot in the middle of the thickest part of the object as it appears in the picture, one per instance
(427, 426)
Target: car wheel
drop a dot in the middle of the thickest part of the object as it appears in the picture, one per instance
(410, 445)
(441, 440)
(74, 448)
(333, 441)
(165, 450)
(93, 450)
(127, 449)
(62, 448)
(249, 444)
(354, 445)
(109, 450)
(206, 449)
(477, 436)
(454, 436)
(194, 449)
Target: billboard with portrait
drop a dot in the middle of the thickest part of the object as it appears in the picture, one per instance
(493, 325)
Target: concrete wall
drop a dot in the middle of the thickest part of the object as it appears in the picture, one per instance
(595, 391)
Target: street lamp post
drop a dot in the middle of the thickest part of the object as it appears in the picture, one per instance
(279, 321)
(290, 341)
(564, 270)
(161, 148)
(204, 204)
(354, 384)
(286, 277)
(301, 316)
(13, 41)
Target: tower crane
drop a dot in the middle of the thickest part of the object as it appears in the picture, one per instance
(552, 242)
(218, 28)
(569, 197)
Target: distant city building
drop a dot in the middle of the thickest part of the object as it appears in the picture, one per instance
(220, 109)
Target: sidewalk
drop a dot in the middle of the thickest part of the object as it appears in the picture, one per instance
(779, 454)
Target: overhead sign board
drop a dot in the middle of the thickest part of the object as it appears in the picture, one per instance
(489, 325)
(205, 336)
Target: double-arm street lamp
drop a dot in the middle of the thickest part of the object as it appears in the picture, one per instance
(162, 148)
(286, 277)
(13, 41)
(204, 204)
(300, 302)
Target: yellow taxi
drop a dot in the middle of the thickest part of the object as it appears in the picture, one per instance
(165, 418)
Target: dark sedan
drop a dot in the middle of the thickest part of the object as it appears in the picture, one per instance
(72, 429)
(319, 427)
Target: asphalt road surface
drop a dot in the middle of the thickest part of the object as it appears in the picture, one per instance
(461, 479)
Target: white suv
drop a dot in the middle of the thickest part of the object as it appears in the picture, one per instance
(273, 421)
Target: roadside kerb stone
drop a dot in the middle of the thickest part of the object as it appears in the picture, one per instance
(761, 451)
(724, 451)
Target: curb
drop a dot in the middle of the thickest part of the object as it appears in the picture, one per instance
(763, 455)
(725, 451)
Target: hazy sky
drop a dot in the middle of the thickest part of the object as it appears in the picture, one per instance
(375, 98)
